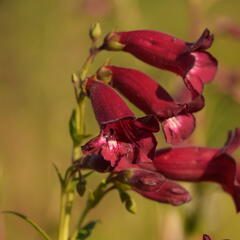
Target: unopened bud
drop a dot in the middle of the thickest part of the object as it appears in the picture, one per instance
(142, 179)
(95, 31)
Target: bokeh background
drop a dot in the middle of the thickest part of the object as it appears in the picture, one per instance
(41, 44)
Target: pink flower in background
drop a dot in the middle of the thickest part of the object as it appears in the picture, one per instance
(196, 164)
(177, 121)
(189, 60)
(123, 139)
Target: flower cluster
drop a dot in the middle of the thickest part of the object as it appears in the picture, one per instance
(126, 145)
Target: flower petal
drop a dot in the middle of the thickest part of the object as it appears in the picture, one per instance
(151, 98)
(142, 91)
(202, 164)
(154, 186)
(188, 60)
(169, 192)
(123, 143)
(142, 179)
(177, 129)
(107, 103)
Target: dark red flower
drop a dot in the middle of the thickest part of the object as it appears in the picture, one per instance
(177, 121)
(123, 140)
(203, 164)
(206, 237)
(189, 60)
(155, 186)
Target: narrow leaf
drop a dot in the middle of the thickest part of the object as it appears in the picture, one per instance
(31, 222)
(81, 186)
(128, 201)
(86, 231)
(59, 175)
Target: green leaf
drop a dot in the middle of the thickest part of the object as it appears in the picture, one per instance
(129, 202)
(31, 222)
(81, 186)
(86, 231)
(60, 178)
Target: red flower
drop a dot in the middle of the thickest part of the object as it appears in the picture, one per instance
(123, 140)
(154, 186)
(206, 237)
(203, 164)
(177, 121)
(189, 60)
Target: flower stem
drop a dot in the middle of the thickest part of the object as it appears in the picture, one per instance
(80, 222)
(91, 203)
(67, 198)
(88, 62)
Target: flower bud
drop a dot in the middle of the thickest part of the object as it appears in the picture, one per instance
(154, 186)
(95, 31)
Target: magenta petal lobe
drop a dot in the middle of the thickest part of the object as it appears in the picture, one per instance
(177, 129)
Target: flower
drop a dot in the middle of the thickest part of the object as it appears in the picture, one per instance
(203, 164)
(189, 60)
(154, 186)
(125, 145)
(206, 237)
(177, 121)
(123, 140)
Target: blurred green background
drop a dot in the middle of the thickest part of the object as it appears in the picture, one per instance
(41, 44)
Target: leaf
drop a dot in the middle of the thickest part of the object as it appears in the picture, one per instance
(60, 178)
(86, 231)
(81, 186)
(129, 202)
(31, 222)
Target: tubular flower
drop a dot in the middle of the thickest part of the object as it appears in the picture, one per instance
(123, 140)
(203, 164)
(154, 186)
(177, 121)
(189, 60)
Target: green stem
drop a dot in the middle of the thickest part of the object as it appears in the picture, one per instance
(89, 206)
(88, 62)
(80, 222)
(65, 214)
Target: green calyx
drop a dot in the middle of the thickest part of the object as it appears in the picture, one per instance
(112, 42)
(104, 75)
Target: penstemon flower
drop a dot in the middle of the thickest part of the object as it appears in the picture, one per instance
(189, 60)
(177, 121)
(123, 139)
(154, 186)
(196, 164)
(126, 146)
